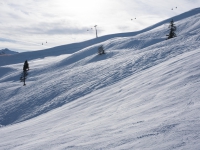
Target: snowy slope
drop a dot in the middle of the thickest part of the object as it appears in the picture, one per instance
(143, 94)
(74, 47)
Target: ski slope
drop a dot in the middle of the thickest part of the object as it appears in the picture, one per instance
(142, 94)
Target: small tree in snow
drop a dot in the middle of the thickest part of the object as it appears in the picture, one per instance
(101, 50)
(172, 29)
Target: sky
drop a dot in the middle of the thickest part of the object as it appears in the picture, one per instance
(30, 25)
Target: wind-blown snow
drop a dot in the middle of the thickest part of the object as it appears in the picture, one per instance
(142, 94)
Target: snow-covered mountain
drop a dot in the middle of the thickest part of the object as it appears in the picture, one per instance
(144, 93)
(7, 52)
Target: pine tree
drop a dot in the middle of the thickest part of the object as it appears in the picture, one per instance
(101, 50)
(172, 29)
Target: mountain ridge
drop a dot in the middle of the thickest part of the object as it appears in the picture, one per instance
(6, 51)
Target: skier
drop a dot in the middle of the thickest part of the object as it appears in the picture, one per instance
(25, 69)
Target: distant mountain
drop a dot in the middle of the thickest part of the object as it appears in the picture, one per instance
(7, 52)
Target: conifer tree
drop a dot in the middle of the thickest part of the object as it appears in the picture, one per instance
(101, 50)
(172, 29)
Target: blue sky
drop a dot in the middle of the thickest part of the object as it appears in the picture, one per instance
(26, 24)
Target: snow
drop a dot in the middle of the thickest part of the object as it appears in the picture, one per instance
(142, 94)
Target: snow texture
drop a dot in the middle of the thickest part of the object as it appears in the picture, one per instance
(144, 93)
